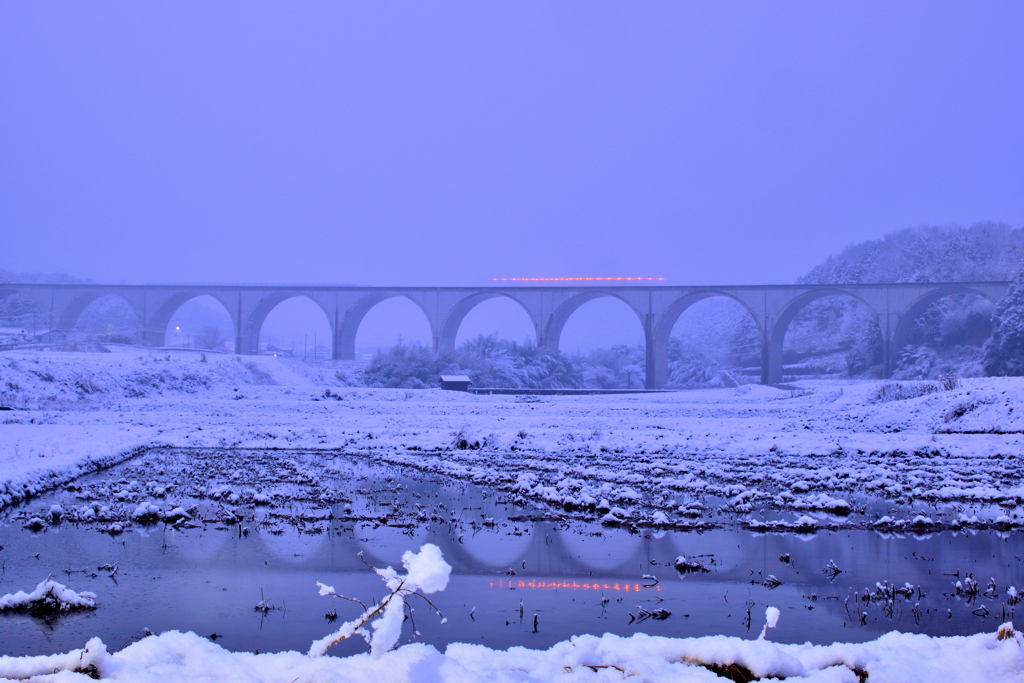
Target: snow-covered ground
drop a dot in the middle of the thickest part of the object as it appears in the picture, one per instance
(823, 453)
(174, 657)
(826, 447)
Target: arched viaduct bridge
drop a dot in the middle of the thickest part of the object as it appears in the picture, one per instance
(772, 307)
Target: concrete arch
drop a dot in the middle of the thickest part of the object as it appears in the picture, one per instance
(663, 331)
(907, 317)
(556, 322)
(155, 330)
(451, 323)
(67, 317)
(345, 344)
(110, 318)
(258, 315)
(771, 371)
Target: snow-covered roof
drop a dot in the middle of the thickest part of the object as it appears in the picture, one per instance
(455, 378)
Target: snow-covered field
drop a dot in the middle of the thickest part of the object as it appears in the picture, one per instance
(695, 457)
(828, 453)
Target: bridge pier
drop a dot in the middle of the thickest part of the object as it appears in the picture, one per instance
(889, 359)
(650, 370)
(766, 363)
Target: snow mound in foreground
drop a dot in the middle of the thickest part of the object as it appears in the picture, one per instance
(174, 656)
(50, 597)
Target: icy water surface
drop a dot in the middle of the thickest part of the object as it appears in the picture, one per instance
(264, 526)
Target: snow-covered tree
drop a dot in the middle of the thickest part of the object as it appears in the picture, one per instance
(1004, 351)
(947, 336)
(488, 360)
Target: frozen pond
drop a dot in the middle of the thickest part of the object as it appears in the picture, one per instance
(266, 525)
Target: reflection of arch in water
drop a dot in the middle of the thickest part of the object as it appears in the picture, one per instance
(387, 544)
(607, 553)
(296, 549)
(497, 549)
(196, 546)
(547, 549)
(458, 555)
(542, 549)
(720, 543)
(327, 551)
(384, 546)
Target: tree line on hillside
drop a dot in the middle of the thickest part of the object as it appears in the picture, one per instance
(949, 335)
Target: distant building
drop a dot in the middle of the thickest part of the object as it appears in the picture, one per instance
(455, 382)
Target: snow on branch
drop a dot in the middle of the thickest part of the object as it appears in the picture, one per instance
(426, 572)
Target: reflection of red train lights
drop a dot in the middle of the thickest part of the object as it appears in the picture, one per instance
(570, 585)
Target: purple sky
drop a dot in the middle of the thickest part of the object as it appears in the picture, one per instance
(449, 143)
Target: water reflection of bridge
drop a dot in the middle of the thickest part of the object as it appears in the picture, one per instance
(894, 306)
(543, 549)
(552, 551)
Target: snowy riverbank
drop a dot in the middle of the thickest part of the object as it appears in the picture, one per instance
(894, 658)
